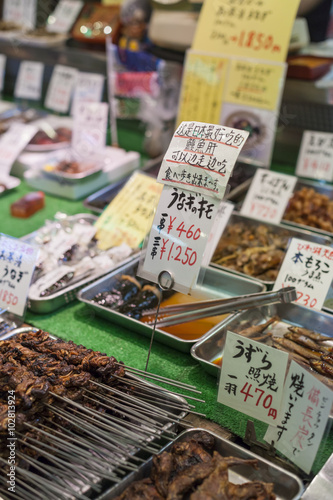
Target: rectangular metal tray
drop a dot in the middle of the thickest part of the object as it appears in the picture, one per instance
(96, 202)
(211, 346)
(45, 305)
(216, 284)
(236, 218)
(287, 486)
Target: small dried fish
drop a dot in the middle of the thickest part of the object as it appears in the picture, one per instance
(255, 330)
(301, 350)
(296, 357)
(322, 367)
(328, 358)
(305, 341)
(308, 333)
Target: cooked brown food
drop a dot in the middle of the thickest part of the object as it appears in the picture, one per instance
(193, 471)
(310, 208)
(254, 250)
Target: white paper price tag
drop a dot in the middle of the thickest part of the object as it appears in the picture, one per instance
(268, 196)
(59, 92)
(29, 80)
(88, 88)
(201, 157)
(309, 268)
(89, 129)
(13, 142)
(3, 60)
(252, 377)
(64, 16)
(20, 12)
(306, 407)
(178, 237)
(221, 220)
(17, 264)
(315, 159)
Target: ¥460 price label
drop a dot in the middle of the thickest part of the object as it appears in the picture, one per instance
(178, 237)
(252, 378)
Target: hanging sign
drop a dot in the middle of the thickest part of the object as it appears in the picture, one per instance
(59, 92)
(252, 378)
(268, 196)
(12, 142)
(29, 80)
(306, 408)
(88, 88)
(89, 129)
(64, 16)
(178, 237)
(201, 157)
(309, 268)
(315, 159)
(17, 264)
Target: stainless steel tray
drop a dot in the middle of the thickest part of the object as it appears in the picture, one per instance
(320, 188)
(211, 346)
(96, 202)
(277, 229)
(49, 304)
(287, 486)
(216, 284)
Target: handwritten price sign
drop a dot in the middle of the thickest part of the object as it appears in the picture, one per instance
(268, 196)
(309, 268)
(59, 92)
(315, 159)
(252, 377)
(178, 236)
(17, 263)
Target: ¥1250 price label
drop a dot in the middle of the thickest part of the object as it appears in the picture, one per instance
(178, 237)
(252, 378)
(309, 268)
(268, 196)
(315, 159)
(17, 264)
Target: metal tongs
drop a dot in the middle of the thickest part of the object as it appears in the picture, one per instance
(185, 313)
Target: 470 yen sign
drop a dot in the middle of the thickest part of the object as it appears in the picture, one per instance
(178, 236)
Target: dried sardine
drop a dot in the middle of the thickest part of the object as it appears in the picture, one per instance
(322, 367)
(257, 329)
(305, 341)
(301, 350)
(296, 357)
(328, 358)
(308, 333)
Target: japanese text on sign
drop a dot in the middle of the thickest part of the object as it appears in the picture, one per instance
(64, 16)
(305, 409)
(29, 80)
(17, 263)
(128, 217)
(268, 196)
(12, 142)
(248, 29)
(252, 377)
(60, 88)
(309, 268)
(178, 236)
(201, 157)
(315, 159)
(89, 130)
(20, 12)
(88, 88)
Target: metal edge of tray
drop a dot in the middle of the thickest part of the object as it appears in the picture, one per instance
(236, 218)
(170, 426)
(291, 313)
(46, 305)
(87, 293)
(109, 192)
(287, 486)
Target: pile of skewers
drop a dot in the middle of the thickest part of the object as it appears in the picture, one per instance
(77, 417)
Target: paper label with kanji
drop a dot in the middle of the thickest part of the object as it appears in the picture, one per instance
(17, 264)
(268, 196)
(29, 80)
(201, 157)
(315, 159)
(88, 88)
(306, 408)
(89, 129)
(61, 86)
(12, 142)
(64, 16)
(20, 12)
(179, 236)
(308, 267)
(252, 377)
